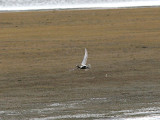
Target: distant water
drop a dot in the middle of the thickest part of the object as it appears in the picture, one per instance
(11, 5)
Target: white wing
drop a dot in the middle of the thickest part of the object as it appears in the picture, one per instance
(85, 58)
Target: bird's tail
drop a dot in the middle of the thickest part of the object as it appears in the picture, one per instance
(77, 66)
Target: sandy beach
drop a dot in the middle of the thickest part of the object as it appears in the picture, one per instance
(40, 49)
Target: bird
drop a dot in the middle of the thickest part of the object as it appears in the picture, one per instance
(84, 61)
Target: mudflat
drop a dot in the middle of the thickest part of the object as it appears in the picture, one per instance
(40, 49)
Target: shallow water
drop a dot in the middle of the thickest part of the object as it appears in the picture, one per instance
(12, 5)
(79, 110)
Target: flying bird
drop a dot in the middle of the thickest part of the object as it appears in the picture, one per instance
(84, 62)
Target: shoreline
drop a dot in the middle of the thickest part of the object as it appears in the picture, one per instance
(77, 9)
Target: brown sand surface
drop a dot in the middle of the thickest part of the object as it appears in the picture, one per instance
(39, 50)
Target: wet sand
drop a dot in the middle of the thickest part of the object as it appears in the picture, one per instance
(39, 51)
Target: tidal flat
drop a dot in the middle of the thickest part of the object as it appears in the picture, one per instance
(40, 49)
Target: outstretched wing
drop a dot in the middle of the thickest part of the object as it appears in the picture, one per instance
(85, 58)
